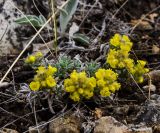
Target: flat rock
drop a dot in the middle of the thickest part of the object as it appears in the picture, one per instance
(110, 125)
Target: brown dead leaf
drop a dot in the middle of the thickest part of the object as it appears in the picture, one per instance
(153, 16)
(98, 113)
(141, 24)
(155, 49)
(146, 37)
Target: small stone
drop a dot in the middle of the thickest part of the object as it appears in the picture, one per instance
(121, 110)
(154, 76)
(151, 87)
(155, 49)
(6, 130)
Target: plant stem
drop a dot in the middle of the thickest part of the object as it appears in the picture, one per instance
(52, 6)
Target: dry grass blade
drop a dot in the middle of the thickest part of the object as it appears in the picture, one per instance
(52, 6)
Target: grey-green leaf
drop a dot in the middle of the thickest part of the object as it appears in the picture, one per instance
(29, 19)
(42, 19)
(66, 15)
(83, 39)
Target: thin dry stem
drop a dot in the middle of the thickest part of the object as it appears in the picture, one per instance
(52, 5)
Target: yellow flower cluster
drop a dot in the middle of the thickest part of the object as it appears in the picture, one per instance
(106, 81)
(138, 70)
(31, 59)
(79, 85)
(120, 51)
(122, 42)
(118, 57)
(44, 78)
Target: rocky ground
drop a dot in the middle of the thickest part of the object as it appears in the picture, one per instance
(131, 110)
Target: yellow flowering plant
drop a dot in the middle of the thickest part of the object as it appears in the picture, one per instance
(138, 70)
(34, 58)
(92, 79)
(44, 78)
(79, 86)
(118, 57)
(121, 42)
(107, 81)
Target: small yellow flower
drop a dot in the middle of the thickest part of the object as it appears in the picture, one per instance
(38, 55)
(30, 59)
(91, 82)
(140, 79)
(80, 91)
(74, 76)
(141, 62)
(43, 83)
(110, 75)
(116, 85)
(88, 94)
(51, 70)
(75, 96)
(37, 78)
(112, 58)
(50, 82)
(121, 65)
(112, 88)
(125, 44)
(125, 38)
(68, 82)
(114, 63)
(146, 70)
(125, 47)
(100, 74)
(115, 58)
(123, 54)
(35, 86)
(129, 62)
(70, 89)
(105, 92)
(41, 70)
(101, 83)
(115, 41)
